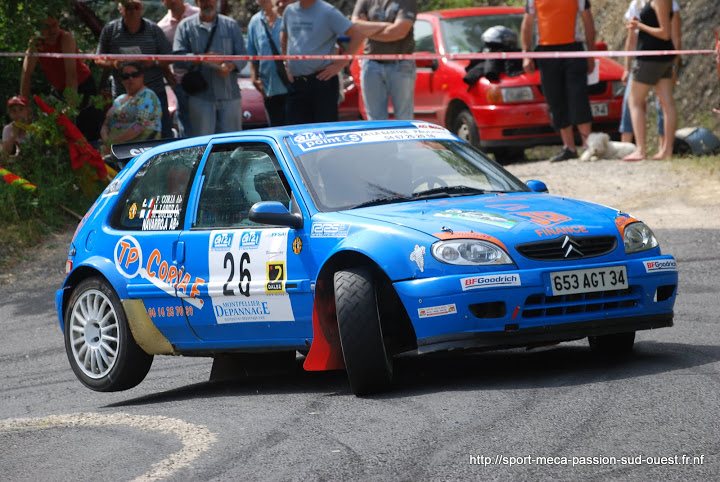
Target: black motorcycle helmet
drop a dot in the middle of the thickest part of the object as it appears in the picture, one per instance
(500, 39)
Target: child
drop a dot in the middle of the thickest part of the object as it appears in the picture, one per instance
(14, 133)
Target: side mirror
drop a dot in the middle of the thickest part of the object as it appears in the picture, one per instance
(273, 212)
(426, 63)
(537, 186)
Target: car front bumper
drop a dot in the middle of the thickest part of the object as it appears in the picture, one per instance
(446, 316)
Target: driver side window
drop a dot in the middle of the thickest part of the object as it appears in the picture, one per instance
(236, 176)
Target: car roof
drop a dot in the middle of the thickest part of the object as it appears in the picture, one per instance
(472, 11)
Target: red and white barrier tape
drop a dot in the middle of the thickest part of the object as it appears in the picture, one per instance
(415, 56)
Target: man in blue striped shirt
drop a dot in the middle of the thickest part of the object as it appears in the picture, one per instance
(133, 34)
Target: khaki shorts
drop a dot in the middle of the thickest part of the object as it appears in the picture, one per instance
(650, 72)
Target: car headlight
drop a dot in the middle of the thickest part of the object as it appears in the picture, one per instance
(469, 252)
(638, 237)
(517, 94)
(618, 88)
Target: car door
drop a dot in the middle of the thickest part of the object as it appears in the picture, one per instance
(150, 216)
(255, 288)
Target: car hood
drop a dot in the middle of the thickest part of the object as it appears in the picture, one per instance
(522, 217)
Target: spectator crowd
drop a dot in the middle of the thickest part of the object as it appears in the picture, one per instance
(303, 91)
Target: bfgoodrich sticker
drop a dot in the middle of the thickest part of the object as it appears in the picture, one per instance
(490, 281)
(660, 265)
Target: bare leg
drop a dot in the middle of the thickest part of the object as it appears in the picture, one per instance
(585, 130)
(664, 91)
(636, 103)
(626, 137)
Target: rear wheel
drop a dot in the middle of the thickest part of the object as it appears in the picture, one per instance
(368, 365)
(101, 349)
(464, 126)
(617, 345)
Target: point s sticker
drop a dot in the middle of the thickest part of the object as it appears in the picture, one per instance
(490, 281)
(297, 245)
(441, 310)
(275, 277)
(660, 265)
(133, 211)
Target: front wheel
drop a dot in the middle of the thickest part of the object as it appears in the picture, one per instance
(368, 365)
(101, 349)
(464, 126)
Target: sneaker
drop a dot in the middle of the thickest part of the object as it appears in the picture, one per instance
(564, 155)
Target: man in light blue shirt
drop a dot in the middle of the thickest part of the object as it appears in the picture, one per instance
(264, 73)
(218, 108)
(311, 27)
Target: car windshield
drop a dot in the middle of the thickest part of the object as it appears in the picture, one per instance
(464, 34)
(367, 174)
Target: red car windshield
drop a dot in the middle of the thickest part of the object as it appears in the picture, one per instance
(463, 35)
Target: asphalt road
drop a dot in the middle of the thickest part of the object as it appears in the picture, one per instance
(549, 414)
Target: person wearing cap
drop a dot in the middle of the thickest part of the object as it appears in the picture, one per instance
(393, 79)
(132, 34)
(564, 79)
(63, 74)
(13, 134)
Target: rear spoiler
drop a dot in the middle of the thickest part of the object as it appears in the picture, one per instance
(122, 153)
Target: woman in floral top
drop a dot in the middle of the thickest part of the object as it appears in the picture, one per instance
(135, 115)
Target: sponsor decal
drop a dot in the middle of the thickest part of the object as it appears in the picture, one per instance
(509, 207)
(441, 310)
(275, 277)
(161, 213)
(561, 230)
(165, 275)
(297, 245)
(248, 278)
(470, 235)
(544, 218)
(490, 281)
(329, 230)
(418, 255)
(221, 241)
(250, 239)
(319, 140)
(133, 211)
(478, 216)
(170, 311)
(660, 265)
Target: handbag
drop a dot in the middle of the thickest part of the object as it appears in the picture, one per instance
(279, 66)
(193, 82)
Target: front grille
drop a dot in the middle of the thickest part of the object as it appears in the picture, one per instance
(539, 305)
(568, 247)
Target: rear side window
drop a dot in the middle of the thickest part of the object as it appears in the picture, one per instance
(156, 197)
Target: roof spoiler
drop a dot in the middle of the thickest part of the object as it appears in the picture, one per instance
(124, 152)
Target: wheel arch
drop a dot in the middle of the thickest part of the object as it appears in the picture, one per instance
(326, 351)
(454, 108)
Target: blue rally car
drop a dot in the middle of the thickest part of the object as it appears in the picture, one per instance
(351, 243)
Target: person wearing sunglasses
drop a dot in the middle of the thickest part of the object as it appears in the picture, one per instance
(133, 34)
(134, 115)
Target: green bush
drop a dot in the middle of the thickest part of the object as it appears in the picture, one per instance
(28, 216)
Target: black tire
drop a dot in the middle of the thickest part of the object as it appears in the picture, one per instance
(98, 342)
(464, 126)
(369, 368)
(617, 345)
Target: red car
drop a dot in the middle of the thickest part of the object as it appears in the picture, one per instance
(503, 116)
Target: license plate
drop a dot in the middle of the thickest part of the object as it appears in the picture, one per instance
(599, 110)
(588, 280)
